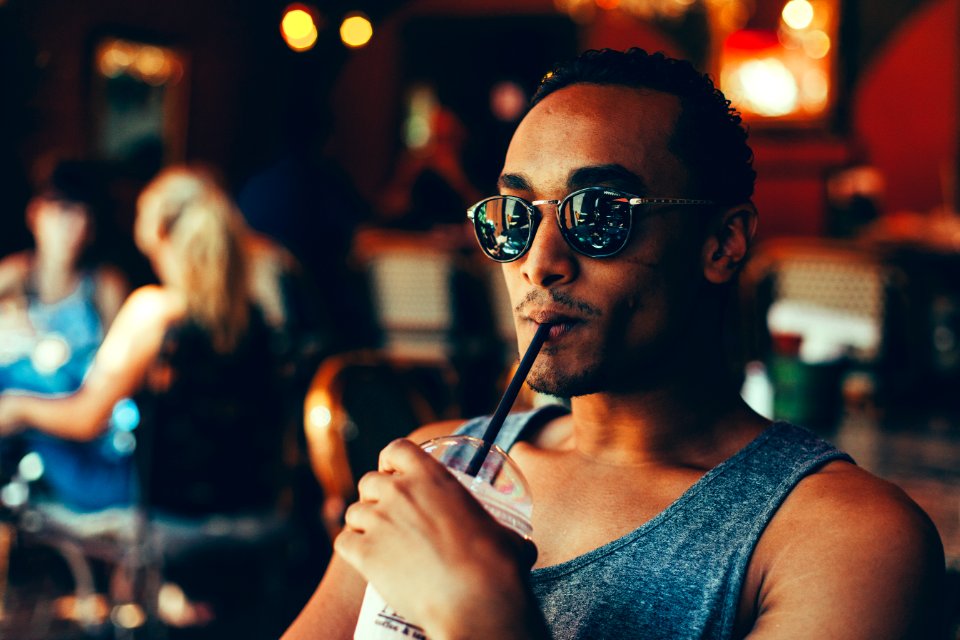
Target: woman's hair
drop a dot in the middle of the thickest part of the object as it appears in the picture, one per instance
(186, 207)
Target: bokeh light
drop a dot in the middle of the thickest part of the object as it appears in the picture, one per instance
(816, 44)
(299, 27)
(766, 87)
(798, 14)
(320, 417)
(507, 101)
(356, 30)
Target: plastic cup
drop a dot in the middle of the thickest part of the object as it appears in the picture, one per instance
(498, 486)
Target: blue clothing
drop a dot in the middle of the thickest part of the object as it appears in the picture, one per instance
(73, 319)
(680, 574)
(85, 476)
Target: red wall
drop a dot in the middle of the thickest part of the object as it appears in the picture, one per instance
(906, 107)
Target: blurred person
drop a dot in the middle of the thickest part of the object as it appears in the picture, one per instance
(663, 507)
(56, 303)
(430, 184)
(308, 205)
(194, 237)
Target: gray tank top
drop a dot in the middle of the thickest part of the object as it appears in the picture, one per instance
(679, 575)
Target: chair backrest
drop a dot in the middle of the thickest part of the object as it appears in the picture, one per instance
(410, 284)
(358, 402)
(808, 282)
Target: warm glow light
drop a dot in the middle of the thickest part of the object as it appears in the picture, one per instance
(320, 417)
(114, 60)
(298, 28)
(356, 30)
(150, 64)
(815, 88)
(798, 14)
(507, 101)
(128, 616)
(816, 44)
(608, 4)
(732, 16)
(766, 87)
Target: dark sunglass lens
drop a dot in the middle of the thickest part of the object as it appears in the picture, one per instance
(597, 223)
(503, 227)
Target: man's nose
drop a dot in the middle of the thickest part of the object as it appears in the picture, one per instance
(550, 261)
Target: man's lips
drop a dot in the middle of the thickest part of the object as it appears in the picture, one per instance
(560, 324)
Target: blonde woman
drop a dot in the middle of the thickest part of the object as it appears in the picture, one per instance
(194, 340)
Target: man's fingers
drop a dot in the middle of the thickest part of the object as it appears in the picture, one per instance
(351, 546)
(400, 454)
(360, 516)
(403, 456)
(372, 486)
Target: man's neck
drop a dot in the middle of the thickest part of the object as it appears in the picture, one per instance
(688, 422)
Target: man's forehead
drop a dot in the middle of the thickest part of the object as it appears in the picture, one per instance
(589, 129)
(577, 178)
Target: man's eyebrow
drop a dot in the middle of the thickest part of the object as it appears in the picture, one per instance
(513, 181)
(607, 175)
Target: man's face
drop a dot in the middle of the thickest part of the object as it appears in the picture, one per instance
(617, 317)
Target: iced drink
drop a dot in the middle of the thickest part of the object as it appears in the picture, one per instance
(500, 488)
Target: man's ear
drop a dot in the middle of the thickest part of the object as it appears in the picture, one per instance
(727, 244)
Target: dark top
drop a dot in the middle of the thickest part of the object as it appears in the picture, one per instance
(680, 574)
(210, 440)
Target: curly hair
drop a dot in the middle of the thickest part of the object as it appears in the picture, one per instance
(709, 136)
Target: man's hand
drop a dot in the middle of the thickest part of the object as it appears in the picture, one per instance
(434, 553)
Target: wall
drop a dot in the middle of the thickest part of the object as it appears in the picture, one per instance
(905, 109)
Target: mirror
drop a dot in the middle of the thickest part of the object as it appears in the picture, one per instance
(140, 103)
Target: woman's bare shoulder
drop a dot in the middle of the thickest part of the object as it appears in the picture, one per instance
(14, 271)
(151, 304)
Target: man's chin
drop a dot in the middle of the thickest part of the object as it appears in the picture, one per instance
(560, 385)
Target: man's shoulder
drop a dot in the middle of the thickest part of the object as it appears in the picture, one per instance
(856, 500)
(847, 540)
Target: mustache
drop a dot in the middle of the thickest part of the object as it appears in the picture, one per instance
(540, 297)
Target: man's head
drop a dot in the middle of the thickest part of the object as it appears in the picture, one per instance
(709, 137)
(627, 318)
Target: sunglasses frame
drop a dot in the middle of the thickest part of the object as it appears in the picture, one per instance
(536, 217)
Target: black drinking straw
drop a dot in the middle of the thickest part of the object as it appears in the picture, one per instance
(509, 397)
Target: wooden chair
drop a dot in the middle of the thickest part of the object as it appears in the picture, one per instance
(357, 403)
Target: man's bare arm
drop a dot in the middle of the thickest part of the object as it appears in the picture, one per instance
(848, 556)
(333, 609)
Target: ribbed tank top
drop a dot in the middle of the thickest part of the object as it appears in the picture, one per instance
(680, 574)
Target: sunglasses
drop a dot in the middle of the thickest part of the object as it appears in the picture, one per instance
(595, 221)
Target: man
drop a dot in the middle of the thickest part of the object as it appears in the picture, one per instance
(663, 506)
